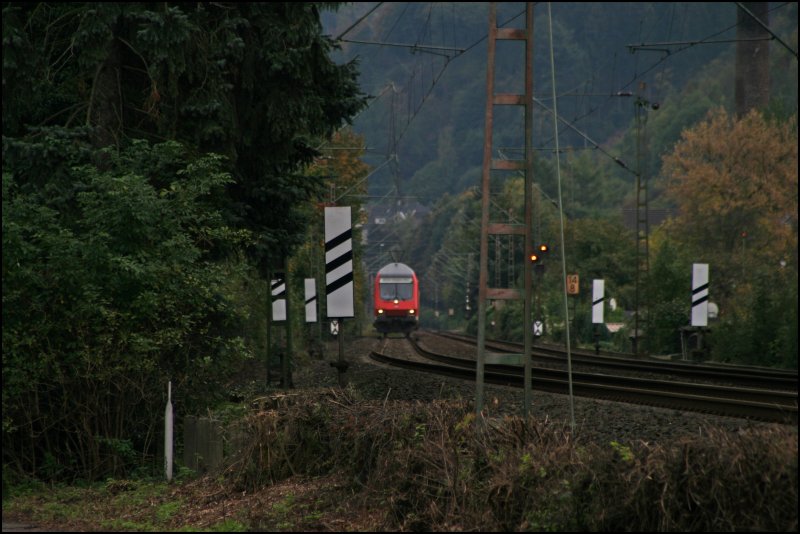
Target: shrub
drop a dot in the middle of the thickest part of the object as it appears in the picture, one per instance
(436, 466)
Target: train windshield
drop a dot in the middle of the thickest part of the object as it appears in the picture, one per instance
(400, 288)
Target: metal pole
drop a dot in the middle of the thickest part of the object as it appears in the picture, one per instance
(286, 370)
(341, 364)
(168, 428)
(269, 327)
(487, 163)
(527, 270)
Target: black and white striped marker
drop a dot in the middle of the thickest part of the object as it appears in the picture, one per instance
(278, 285)
(700, 294)
(339, 263)
(311, 300)
(598, 297)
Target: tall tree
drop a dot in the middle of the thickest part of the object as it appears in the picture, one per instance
(112, 237)
(735, 184)
(252, 81)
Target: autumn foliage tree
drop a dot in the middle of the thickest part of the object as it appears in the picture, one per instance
(734, 182)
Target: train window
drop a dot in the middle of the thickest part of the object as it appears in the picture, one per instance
(394, 288)
(387, 291)
(404, 291)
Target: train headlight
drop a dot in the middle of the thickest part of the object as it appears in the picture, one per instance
(412, 312)
(396, 301)
(380, 312)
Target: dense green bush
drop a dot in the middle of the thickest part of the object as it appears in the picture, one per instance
(109, 291)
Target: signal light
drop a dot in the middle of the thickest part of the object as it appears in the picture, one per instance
(541, 251)
(537, 257)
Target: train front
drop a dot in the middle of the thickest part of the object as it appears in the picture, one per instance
(396, 299)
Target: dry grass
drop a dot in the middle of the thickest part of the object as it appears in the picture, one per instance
(328, 461)
(435, 466)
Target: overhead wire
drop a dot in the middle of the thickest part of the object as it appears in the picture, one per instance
(766, 28)
(358, 21)
(413, 111)
(638, 75)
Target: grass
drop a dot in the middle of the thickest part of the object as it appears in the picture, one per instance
(200, 504)
(117, 505)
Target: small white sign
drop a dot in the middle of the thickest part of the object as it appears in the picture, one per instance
(573, 284)
(335, 327)
(538, 328)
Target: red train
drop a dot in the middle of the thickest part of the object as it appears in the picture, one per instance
(396, 299)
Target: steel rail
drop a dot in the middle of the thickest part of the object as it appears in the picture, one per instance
(732, 402)
(745, 376)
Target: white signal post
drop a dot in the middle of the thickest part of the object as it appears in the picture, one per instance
(278, 285)
(168, 426)
(339, 263)
(700, 312)
(700, 294)
(598, 297)
(310, 286)
(339, 274)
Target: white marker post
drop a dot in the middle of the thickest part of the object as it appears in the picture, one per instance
(700, 294)
(168, 434)
(278, 285)
(700, 302)
(598, 297)
(311, 299)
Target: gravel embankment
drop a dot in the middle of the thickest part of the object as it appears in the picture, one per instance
(600, 420)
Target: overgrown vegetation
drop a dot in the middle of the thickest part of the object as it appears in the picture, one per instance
(154, 171)
(109, 293)
(435, 466)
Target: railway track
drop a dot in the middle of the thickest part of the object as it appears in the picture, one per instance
(741, 402)
(745, 377)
